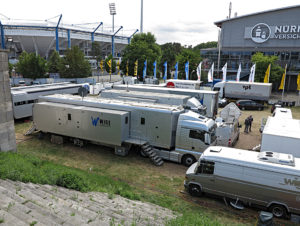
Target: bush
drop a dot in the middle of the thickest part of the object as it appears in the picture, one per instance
(72, 181)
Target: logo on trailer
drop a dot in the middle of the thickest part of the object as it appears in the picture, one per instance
(170, 85)
(260, 33)
(102, 122)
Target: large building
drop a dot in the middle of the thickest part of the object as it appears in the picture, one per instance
(43, 37)
(273, 32)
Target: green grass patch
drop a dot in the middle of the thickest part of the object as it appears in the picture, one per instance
(27, 168)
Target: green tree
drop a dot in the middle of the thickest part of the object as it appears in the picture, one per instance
(262, 62)
(194, 60)
(10, 68)
(54, 62)
(74, 65)
(143, 46)
(205, 45)
(31, 65)
(114, 64)
(169, 53)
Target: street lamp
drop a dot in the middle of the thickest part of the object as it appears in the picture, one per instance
(112, 9)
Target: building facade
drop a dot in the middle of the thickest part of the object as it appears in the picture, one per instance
(273, 32)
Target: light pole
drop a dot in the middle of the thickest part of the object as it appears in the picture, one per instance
(112, 9)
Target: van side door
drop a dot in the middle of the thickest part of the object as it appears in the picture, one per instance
(205, 176)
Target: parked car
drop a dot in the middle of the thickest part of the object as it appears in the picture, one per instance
(249, 105)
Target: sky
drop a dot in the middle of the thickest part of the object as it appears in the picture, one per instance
(188, 22)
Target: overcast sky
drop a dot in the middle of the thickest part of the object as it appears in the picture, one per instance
(188, 22)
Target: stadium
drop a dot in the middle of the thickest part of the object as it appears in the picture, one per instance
(43, 37)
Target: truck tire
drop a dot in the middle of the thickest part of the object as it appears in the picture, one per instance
(195, 190)
(278, 211)
(243, 108)
(188, 160)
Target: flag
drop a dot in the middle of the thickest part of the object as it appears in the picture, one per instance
(199, 71)
(145, 69)
(238, 75)
(127, 67)
(154, 70)
(186, 67)
(109, 65)
(210, 75)
(252, 73)
(135, 68)
(267, 75)
(166, 67)
(176, 71)
(224, 69)
(298, 82)
(118, 67)
(282, 83)
(101, 65)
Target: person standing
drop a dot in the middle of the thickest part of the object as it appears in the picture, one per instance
(250, 122)
(246, 125)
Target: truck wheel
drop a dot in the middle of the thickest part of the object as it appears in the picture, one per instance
(195, 190)
(278, 211)
(188, 160)
(243, 108)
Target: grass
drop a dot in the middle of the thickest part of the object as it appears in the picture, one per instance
(133, 177)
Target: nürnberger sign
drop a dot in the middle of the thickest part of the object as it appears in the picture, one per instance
(262, 32)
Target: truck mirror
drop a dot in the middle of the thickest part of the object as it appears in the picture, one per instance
(207, 138)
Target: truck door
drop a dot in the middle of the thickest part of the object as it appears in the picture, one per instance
(206, 175)
(197, 139)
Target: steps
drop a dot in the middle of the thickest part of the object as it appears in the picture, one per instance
(31, 130)
(148, 151)
(26, 203)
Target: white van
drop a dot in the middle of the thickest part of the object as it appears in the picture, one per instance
(267, 179)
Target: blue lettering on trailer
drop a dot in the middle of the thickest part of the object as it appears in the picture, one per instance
(94, 120)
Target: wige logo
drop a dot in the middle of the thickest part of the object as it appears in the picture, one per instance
(260, 33)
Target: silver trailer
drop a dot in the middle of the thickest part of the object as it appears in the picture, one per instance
(183, 84)
(228, 130)
(167, 131)
(24, 97)
(244, 90)
(209, 99)
(161, 98)
(267, 179)
(281, 134)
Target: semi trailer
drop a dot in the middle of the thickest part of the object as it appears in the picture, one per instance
(187, 102)
(207, 98)
(244, 90)
(159, 131)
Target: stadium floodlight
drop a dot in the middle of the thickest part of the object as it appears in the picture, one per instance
(113, 12)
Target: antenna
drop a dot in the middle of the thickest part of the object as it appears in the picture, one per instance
(230, 7)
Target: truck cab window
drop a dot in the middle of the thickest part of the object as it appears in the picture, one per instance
(206, 167)
(196, 134)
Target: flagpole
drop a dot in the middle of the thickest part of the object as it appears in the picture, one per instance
(269, 73)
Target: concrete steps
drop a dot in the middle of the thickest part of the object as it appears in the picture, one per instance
(26, 203)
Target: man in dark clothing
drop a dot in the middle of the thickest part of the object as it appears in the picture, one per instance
(250, 118)
(246, 125)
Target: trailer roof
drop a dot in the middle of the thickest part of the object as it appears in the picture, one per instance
(94, 102)
(250, 83)
(280, 126)
(247, 158)
(131, 93)
(184, 81)
(40, 88)
(157, 87)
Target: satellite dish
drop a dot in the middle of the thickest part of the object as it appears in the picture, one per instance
(82, 92)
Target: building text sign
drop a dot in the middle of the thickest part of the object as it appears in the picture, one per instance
(262, 32)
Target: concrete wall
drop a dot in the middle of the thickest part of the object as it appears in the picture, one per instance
(7, 128)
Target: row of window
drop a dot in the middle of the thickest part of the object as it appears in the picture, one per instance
(25, 102)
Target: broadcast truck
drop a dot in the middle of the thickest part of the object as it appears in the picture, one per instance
(187, 102)
(207, 98)
(159, 131)
(267, 179)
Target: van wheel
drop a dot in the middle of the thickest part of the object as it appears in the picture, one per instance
(195, 190)
(188, 160)
(278, 211)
